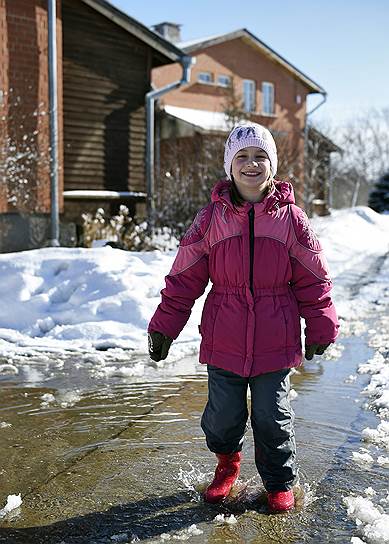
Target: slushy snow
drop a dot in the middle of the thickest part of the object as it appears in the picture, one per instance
(13, 502)
(370, 513)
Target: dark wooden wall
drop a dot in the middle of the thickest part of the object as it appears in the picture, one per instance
(106, 74)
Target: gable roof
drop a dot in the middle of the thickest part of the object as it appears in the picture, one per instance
(166, 51)
(244, 34)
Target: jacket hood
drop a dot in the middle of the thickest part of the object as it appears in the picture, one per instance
(281, 195)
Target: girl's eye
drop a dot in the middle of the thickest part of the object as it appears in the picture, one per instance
(258, 158)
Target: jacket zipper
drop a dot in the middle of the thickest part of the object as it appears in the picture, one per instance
(251, 231)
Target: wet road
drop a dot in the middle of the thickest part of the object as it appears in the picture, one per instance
(102, 458)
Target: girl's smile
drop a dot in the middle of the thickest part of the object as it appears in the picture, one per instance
(250, 169)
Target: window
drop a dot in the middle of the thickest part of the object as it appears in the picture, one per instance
(205, 77)
(249, 95)
(267, 98)
(224, 81)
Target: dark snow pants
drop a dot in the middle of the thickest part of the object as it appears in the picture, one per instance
(224, 422)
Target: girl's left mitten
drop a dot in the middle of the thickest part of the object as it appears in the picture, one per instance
(159, 345)
(314, 349)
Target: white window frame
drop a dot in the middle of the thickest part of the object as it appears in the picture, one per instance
(267, 98)
(206, 81)
(249, 92)
(227, 80)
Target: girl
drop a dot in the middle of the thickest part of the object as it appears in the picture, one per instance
(267, 269)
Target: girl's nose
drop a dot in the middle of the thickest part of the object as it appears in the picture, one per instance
(254, 163)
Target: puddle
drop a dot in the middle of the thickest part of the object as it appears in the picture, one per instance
(111, 456)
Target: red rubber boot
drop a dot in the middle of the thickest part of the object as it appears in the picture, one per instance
(280, 501)
(226, 474)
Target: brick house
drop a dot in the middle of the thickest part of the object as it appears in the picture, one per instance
(271, 91)
(104, 63)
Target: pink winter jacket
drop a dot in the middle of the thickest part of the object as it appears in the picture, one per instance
(267, 269)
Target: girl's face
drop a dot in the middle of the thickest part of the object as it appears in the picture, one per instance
(251, 170)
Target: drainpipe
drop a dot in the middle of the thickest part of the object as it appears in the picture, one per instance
(306, 188)
(151, 97)
(52, 37)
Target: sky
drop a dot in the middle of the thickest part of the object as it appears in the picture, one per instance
(343, 45)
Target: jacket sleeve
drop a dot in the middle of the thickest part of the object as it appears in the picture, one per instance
(186, 280)
(311, 282)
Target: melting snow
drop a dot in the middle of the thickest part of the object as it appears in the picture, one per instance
(13, 502)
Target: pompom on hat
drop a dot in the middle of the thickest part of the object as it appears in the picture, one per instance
(249, 135)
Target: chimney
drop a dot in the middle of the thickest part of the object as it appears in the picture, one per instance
(169, 31)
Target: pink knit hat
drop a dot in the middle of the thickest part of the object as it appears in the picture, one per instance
(249, 135)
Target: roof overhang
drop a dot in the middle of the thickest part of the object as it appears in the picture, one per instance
(253, 41)
(201, 121)
(331, 146)
(165, 48)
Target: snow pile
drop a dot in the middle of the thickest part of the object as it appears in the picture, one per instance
(13, 502)
(78, 299)
(184, 534)
(379, 436)
(222, 518)
(378, 388)
(8, 369)
(362, 458)
(4, 425)
(377, 391)
(371, 519)
(61, 299)
(350, 235)
(123, 371)
(64, 399)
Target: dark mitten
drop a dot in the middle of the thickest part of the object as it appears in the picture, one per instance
(314, 349)
(159, 345)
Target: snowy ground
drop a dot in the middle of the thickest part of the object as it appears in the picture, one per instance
(103, 298)
(82, 301)
(370, 511)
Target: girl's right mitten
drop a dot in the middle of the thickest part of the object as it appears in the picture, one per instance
(159, 345)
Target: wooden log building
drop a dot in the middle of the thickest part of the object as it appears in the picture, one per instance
(104, 60)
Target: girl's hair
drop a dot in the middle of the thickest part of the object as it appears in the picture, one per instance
(235, 196)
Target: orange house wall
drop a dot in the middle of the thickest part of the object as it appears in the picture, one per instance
(240, 60)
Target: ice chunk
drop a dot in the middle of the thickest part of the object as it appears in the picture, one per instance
(13, 502)
(221, 518)
(373, 524)
(4, 424)
(379, 436)
(383, 461)
(362, 458)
